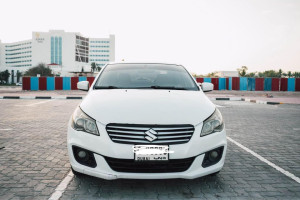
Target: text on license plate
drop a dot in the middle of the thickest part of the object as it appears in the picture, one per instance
(151, 152)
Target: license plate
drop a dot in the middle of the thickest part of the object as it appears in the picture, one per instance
(151, 152)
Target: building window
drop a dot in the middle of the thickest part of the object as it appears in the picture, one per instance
(56, 50)
(82, 49)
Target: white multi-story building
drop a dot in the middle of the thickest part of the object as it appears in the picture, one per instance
(64, 52)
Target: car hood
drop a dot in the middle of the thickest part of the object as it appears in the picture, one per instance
(138, 106)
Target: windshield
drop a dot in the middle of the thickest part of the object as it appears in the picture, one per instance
(145, 76)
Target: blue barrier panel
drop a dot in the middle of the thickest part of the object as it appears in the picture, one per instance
(50, 83)
(34, 83)
(291, 84)
(243, 83)
(208, 80)
(251, 84)
(66, 83)
(230, 84)
(222, 83)
(82, 78)
(268, 84)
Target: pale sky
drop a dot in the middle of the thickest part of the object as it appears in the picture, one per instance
(204, 36)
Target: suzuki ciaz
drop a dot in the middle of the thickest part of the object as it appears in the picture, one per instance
(146, 121)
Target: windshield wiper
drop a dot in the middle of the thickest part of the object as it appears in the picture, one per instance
(167, 87)
(106, 87)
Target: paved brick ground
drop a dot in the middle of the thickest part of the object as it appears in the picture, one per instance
(35, 160)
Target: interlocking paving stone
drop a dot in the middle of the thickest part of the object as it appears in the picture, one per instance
(38, 132)
(35, 160)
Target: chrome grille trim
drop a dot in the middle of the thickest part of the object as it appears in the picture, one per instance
(135, 134)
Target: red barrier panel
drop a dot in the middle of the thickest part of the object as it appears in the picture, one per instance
(235, 83)
(90, 80)
(283, 84)
(297, 86)
(259, 84)
(58, 83)
(275, 84)
(42, 83)
(200, 80)
(227, 83)
(74, 81)
(215, 81)
(26, 83)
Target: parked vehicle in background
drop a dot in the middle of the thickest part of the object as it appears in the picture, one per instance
(146, 121)
(19, 84)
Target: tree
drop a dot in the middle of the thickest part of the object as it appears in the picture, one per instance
(280, 73)
(213, 74)
(296, 74)
(98, 69)
(268, 73)
(93, 66)
(19, 74)
(39, 69)
(243, 70)
(251, 74)
(289, 74)
(4, 76)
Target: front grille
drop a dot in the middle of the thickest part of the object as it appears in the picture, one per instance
(129, 165)
(164, 134)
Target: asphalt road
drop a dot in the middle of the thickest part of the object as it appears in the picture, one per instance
(33, 156)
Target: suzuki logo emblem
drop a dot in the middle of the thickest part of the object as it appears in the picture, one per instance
(151, 135)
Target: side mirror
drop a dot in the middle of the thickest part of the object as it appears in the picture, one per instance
(207, 87)
(83, 85)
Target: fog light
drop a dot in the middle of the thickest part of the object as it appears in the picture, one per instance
(213, 155)
(84, 157)
(82, 154)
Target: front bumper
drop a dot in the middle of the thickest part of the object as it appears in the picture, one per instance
(102, 146)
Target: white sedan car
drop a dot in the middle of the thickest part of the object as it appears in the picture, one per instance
(146, 121)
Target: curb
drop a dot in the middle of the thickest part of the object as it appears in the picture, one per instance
(261, 102)
(40, 97)
(244, 99)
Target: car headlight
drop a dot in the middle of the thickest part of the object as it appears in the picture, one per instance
(213, 124)
(82, 122)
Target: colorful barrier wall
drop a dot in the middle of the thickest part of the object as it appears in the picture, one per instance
(53, 83)
(58, 83)
(291, 84)
(215, 81)
(34, 83)
(230, 83)
(227, 83)
(74, 81)
(251, 84)
(26, 83)
(222, 83)
(297, 84)
(43, 83)
(268, 84)
(243, 83)
(200, 80)
(259, 84)
(283, 84)
(275, 84)
(235, 83)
